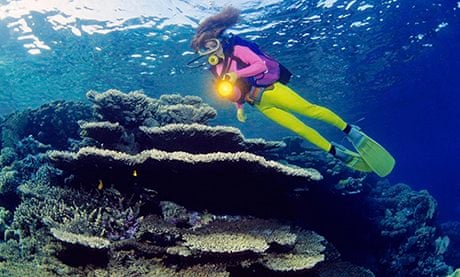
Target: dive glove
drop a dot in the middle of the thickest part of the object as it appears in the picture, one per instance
(230, 76)
(240, 115)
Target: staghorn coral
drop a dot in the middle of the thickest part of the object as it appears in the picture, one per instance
(156, 228)
(350, 185)
(395, 219)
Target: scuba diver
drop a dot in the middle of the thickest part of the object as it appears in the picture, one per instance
(245, 74)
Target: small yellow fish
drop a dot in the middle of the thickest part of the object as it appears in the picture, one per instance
(135, 173)
(100, 185)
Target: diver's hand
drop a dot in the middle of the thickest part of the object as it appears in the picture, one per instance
(230, 76)
(240, 115)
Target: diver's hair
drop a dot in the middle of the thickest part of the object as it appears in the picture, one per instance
(214, 26)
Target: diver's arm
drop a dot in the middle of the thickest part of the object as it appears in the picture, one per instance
(255, 66)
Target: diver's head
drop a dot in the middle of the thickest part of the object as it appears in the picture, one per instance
(213, 27)
(208, 36)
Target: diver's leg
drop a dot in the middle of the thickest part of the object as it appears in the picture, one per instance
(292, 123)
(285, 98)
(289, 121)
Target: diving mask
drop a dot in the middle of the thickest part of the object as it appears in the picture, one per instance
(209, 51)
(213, 59)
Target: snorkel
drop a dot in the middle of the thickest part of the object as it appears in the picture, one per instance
(213, 59)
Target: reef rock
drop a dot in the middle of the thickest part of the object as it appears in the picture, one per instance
(214, 179)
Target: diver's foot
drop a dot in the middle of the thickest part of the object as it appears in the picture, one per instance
(354, 135)
(375, 155)
(349, 158)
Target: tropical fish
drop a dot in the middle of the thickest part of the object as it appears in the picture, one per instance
(100, 185)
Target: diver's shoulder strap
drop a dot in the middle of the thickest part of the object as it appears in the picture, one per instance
(226, 66)
(214, 72)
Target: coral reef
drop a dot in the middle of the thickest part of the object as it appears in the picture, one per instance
(133, 131)
(121, 115)
(391, 223)
(137, 186)
(57, 118)
(177, 175)
(230, 242)
(135, 109)
(198, 138)
(27, 166)
(452, 231)
(84, 240)
(407, 217)
(5, 220)
(96, 215)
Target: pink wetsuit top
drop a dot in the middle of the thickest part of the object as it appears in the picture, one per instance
(255, 66)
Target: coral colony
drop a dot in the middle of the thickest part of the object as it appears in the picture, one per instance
(136, 185)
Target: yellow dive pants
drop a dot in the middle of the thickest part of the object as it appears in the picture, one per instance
(279, 103)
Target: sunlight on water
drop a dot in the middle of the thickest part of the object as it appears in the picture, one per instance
(97, 44)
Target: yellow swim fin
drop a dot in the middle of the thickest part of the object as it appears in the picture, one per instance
(351, 159)
(456, 273)
(377, 157)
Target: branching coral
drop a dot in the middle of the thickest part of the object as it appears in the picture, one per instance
(54, 124)
(5, 221)
(408, 221)
(106, 215)
(7, 156)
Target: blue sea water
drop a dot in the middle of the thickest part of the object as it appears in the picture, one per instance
(390, 66)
